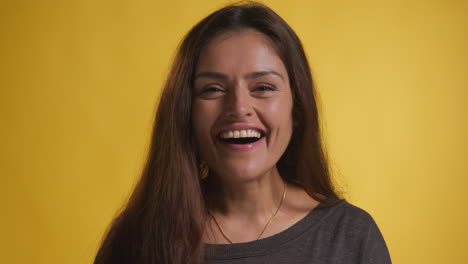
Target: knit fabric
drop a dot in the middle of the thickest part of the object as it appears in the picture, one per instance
(342, 233)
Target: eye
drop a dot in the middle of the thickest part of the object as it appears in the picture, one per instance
(264, 88)
(212, 89)
(211, 92)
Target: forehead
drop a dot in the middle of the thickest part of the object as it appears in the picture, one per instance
(240, 52)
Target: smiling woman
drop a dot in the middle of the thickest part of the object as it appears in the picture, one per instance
(236, 171)
(242, 88)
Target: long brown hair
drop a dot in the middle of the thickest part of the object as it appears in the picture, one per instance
(163, 220)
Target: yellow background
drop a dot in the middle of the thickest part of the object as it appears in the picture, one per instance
(80, 79)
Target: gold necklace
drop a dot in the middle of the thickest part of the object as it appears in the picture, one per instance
(266, 226)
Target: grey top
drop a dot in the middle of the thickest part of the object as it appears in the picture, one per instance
(342, 233)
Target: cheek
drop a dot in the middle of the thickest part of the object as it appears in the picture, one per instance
(281, 111)
(203, 117)
(281, 119)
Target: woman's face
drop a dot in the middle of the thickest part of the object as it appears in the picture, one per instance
(242, 105)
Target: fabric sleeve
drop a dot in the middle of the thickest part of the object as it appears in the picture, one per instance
(374, 249)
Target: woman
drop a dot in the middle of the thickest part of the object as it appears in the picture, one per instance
(236, 171)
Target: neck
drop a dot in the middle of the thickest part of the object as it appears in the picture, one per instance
(252, 199)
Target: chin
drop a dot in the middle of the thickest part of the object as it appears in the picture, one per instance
(241, 173)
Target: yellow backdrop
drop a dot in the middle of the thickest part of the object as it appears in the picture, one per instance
(80, 80)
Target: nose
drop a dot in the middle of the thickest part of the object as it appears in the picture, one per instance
(238, 104)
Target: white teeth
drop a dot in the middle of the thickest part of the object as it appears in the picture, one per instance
(241, 134)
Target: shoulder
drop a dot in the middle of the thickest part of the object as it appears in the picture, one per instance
(345, 222)
(347, 213)
(354, 230)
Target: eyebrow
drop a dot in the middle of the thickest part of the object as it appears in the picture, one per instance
(254, 75)
(214, 75)
(222, 76)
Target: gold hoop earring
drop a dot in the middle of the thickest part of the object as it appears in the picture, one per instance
(204, 170)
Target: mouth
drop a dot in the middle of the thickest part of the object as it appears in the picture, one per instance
(241, 137)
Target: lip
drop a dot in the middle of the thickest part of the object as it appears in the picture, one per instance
(240, 147)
